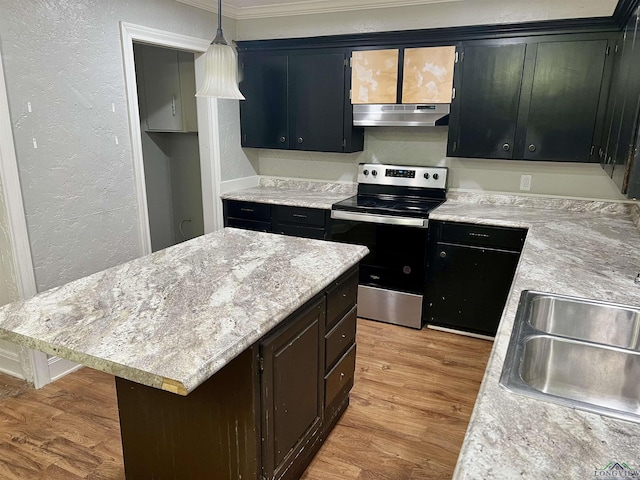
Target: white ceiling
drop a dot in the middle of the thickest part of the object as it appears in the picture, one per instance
(245, 9)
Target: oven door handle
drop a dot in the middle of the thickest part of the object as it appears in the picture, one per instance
(384, 219)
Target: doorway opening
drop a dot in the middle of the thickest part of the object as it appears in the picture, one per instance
(166, 84)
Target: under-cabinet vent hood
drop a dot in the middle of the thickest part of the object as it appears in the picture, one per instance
(406, 115)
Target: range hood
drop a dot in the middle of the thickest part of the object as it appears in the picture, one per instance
(406, 115)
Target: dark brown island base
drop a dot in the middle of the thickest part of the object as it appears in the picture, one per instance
(264, 415)
(234, 353)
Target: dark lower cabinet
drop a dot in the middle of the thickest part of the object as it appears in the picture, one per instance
(282, 219)
(471, 268)
(292, 392)
(247, 215)
(264, 415)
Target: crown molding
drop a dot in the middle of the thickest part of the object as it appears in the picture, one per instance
(307, 7)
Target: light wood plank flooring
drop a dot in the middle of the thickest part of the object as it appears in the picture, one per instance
(410, 407)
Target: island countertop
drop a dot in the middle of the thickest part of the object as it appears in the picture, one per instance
(174, 318)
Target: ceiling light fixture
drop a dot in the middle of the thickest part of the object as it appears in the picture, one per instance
(221, 67)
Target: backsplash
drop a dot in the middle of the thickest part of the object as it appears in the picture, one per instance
(427, 146)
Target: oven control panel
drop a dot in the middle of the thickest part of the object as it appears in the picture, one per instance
(403, 176)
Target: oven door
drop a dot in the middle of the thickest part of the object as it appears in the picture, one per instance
(397, 255)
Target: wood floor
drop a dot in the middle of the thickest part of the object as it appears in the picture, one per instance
(413, 396)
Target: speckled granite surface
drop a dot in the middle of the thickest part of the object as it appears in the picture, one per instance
(579, 250)
(172, 319)
(295, 193)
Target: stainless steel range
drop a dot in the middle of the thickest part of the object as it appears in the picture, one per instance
(390, 215)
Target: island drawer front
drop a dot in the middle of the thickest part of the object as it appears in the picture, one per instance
(340, 338)
(299, 215)
(248, 210)
(341, 297)
(340, 377)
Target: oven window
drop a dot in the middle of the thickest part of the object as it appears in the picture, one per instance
(397, 254)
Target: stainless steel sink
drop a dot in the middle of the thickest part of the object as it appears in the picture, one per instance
(576, 352)
(586, 320)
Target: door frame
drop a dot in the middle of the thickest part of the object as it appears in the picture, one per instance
(34, 364)
(208, 131)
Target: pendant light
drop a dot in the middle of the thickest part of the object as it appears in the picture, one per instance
(221, 67)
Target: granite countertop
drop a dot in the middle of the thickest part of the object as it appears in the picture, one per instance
(580, 248)
(172, 319)
(295, 193)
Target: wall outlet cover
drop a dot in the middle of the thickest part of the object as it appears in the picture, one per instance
(525, 182)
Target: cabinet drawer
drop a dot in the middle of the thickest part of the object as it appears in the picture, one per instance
(299, 215)
(248, 210)
(299, 231)
(340, 338)
(340, 379)
(505, 238)
(341, 297)
(248, 224)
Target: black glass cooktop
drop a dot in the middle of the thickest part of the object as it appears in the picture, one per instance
(403, 206)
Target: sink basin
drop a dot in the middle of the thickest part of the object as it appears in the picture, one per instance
(586, 320)
(576, 352)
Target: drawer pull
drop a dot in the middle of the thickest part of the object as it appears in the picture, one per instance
(341, 375)
(297, 215)
(250, 210)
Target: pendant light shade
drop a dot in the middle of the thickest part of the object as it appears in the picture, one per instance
(221, 67)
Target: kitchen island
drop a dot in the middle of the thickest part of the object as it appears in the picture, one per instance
(198, 336)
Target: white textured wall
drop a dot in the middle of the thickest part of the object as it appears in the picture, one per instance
(236, 163)
(65, 58)
(445, 14)
(428, 146)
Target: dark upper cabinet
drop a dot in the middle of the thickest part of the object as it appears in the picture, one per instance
(534, 99)
(265, 122)
(298, 100)
(485, 110)
(562, 108)
(620, 157)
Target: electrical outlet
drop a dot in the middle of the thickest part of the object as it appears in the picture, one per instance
(525, 182)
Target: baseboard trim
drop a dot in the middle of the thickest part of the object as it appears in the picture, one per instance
(10, 363)
(239, 184)
(59, 367)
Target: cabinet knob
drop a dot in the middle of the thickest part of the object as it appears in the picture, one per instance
(506, 147)
(443, 254)
(344, 335)
(283, 139)
(532, 148)
(300, 140)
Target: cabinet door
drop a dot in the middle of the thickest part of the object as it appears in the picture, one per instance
(625, 143)
(292, 391)
(263, 115)
(564, 99)
(469, 287)
(427, 75)
(484, 113)
(161, 73)
(317, 101)
(374, 76)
